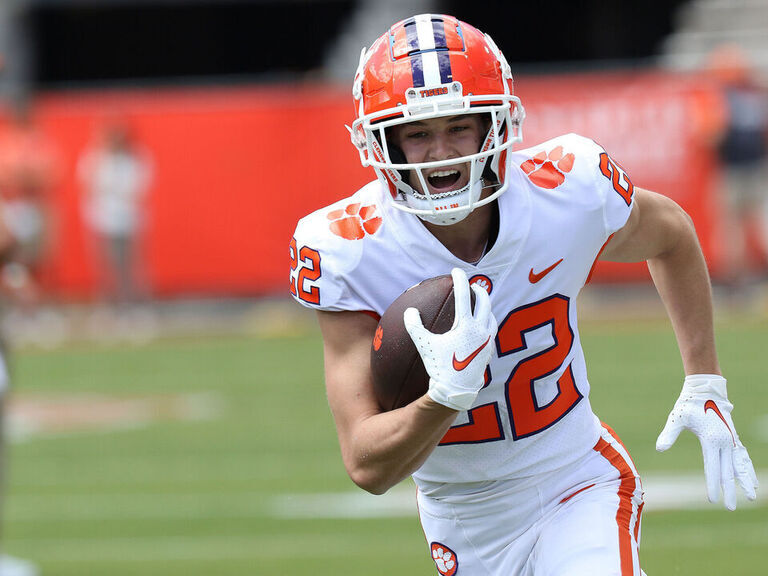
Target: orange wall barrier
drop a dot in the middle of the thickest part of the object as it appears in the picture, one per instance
(233, 170)
(235, 167)
(657, 126)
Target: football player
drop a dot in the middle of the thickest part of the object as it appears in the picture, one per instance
(515, 473)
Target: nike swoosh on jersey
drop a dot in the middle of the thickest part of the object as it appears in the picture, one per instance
(710, 405)
(534, 277)
(459, 365)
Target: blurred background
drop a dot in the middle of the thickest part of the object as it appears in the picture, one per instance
(155, 156)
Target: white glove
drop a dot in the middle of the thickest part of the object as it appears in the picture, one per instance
(703, 408)
(456, 360)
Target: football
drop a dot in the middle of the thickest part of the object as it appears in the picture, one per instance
(399, 376)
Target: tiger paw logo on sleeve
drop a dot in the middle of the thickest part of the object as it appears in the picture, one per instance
(445, 559)
(354, 221)
(548, 170)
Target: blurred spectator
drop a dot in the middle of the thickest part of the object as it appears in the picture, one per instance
(115, 173)
(28, 171)
(743, 149)
(8, 566)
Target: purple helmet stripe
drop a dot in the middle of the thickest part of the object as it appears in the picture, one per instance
(444, 61)
(412, 36)
(438, 28)
(417, 66)
(417, 70)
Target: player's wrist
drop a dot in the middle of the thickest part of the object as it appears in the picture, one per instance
(696, 378)
(709, 384)
(459, 400)
(431, 405)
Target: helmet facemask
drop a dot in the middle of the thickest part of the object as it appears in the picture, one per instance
(486, 166)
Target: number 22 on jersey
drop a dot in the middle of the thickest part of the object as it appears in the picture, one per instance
(526, 415)
(309, 271)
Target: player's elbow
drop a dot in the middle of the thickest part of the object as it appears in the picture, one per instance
(373, 481)
(377, 489)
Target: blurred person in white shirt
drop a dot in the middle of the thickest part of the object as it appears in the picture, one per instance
(115, 173)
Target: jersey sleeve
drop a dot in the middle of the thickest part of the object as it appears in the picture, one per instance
(599, 188)
(616, 190)
(328, 270)
(317, 276)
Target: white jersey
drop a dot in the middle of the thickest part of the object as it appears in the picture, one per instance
(565, 199)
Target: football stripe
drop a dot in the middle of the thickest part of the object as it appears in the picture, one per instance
(412, 36)
(414, 51)
(444, 64)
(417, 70)
(627, 515)
(441, 45)
(426, 39)
(438, 32)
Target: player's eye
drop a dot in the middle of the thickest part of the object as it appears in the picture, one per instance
(460, 128)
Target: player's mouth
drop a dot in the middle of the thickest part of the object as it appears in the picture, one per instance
(444, 180)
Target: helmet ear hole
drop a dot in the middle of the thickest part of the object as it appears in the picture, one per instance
(486, 121)
(489, 172)
(396, 155)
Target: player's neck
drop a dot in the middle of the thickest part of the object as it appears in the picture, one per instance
(469, 239)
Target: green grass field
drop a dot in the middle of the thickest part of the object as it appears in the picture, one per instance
(195, 492)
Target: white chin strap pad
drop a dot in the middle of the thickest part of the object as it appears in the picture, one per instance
(458, 203)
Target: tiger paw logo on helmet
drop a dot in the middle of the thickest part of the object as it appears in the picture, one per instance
(445, 559)
(354, 221)
(548, 170)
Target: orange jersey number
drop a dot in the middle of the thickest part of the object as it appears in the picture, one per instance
(307, 262)
(527, 415)
(621, 182)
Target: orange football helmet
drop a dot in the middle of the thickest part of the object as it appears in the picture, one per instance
(430, 66)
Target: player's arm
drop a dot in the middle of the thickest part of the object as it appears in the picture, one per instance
(379, 449)
(660, 232)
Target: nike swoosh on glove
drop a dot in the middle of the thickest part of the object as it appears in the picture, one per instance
(456, 360)
(704, 409)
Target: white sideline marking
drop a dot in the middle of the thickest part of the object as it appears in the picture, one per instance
(662, 492)
(32, 416)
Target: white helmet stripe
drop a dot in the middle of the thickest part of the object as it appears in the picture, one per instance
(426, 39)
(424, 32)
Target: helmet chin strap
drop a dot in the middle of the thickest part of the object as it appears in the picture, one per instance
(460, 198)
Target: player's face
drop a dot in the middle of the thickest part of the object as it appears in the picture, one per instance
(441, 139)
